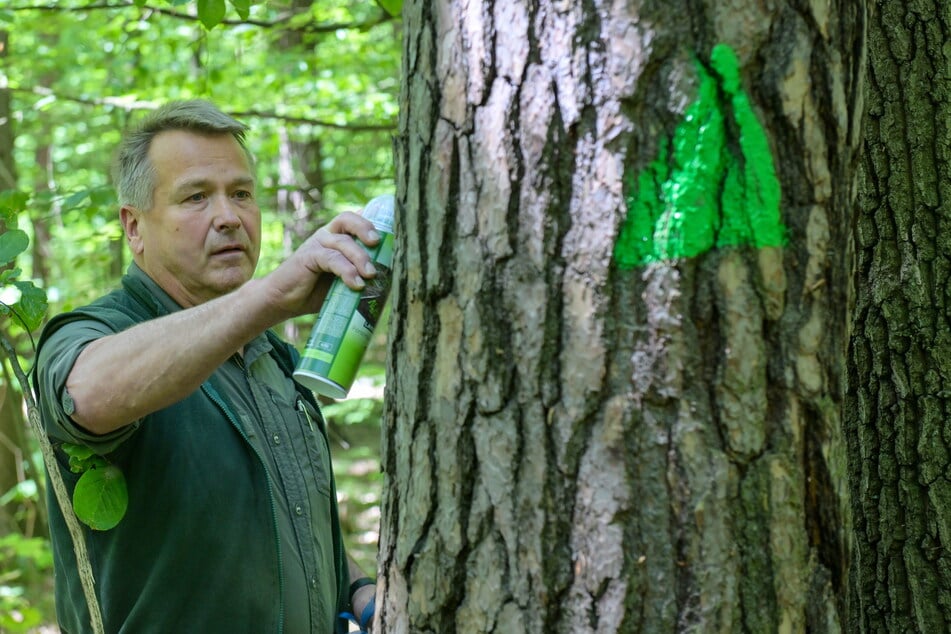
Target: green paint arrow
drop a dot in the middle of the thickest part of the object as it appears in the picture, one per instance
(706, 189)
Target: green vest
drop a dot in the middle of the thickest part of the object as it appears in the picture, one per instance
(199, 548)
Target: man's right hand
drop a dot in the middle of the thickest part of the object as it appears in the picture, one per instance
(300, 284)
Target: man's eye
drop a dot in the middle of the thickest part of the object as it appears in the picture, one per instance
(196, 198)
(243, 195)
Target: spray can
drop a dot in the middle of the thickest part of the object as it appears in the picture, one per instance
(347, 318)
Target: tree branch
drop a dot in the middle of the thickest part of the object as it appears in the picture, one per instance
(130, 104)
(350, 127)
(282, 19)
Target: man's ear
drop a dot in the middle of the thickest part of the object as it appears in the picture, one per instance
(129, 216)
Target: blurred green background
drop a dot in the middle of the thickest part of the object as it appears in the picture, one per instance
(317, 82)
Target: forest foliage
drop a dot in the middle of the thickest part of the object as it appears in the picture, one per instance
(316, 81)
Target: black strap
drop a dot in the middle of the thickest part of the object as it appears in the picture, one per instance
(359, 583)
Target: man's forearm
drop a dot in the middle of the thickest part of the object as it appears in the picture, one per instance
(123, 377)
(361, 597)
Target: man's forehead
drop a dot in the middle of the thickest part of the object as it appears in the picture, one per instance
(170, 144)
(186, 158)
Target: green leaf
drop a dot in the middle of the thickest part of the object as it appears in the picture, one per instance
(72, 201)
(140, 3)
(211, 12)
(7, 275)
(393, 7)
(243, 7)
(14, 198)
(81, 465)
(77, 451)
(13, 242)
(31, 305)
(82, 458)
(102, 196)
(101, 498)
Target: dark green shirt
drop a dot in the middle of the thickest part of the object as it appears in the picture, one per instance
(232, 521)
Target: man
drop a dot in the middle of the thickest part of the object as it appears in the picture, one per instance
(175, 379)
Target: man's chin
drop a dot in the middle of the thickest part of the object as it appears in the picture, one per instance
(229, 286)
(232, 280)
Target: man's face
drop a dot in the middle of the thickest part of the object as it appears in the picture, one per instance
(202, 237)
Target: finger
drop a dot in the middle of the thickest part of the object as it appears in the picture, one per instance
(336, 264)
(356, 226)
(344, 245)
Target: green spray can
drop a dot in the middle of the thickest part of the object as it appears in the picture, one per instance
(347, 318)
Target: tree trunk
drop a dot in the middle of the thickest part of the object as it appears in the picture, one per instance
(619, 317)
(897, 404)
(43, 184)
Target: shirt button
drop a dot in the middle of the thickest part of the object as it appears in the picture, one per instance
(313, 582)
(277, 439)
(299, 510)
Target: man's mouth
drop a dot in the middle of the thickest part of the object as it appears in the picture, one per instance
(229, 250)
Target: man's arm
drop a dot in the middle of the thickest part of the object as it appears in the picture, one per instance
(122, 377)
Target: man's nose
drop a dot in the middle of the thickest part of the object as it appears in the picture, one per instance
(226, 216)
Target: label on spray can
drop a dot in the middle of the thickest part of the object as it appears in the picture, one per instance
(347, 318)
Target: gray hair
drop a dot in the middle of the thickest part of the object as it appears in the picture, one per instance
(133, 173)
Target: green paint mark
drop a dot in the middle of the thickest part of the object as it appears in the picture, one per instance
(712, 185)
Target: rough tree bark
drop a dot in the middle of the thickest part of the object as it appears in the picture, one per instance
(618, 321)
(898, 404)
